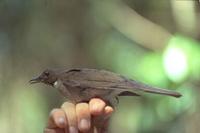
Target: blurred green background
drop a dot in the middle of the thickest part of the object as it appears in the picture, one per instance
(153, 41)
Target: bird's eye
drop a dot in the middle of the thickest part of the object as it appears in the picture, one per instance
(46, 73)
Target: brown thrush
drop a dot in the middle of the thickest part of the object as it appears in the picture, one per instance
(83, 84)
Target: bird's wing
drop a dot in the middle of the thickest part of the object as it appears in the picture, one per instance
(101, 79)
(92, 78)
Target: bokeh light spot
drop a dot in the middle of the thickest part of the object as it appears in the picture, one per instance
(175, 64)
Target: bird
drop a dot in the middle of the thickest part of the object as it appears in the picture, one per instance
(82, 84)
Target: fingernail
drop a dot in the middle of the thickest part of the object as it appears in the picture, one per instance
(61, 121)
(84, 124)
(73, 130)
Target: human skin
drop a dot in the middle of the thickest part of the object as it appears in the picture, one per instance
(83, 117)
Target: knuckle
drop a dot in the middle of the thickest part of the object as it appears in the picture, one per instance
(66, 105)
(53, 111)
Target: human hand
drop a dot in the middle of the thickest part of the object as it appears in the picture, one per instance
(89, 117)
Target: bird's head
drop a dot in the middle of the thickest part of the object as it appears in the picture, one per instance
(48, 77)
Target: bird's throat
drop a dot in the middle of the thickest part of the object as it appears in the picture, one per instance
(57, 84)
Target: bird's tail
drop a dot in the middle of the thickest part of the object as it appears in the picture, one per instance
(150, 89)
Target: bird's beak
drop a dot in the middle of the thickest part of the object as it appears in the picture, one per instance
(35, 80)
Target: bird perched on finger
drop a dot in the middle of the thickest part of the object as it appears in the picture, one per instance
(83, 84)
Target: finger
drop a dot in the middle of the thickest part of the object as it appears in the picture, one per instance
(96, 106)
(70, 111)
(83, 117)
(57, 130)
(108, 110)
(101, 121)
(57, 118)
(103, 118)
